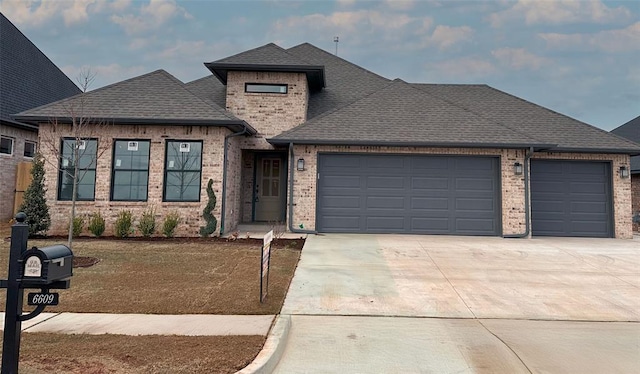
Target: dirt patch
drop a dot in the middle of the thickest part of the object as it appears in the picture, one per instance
(118, 354)
(84, 261)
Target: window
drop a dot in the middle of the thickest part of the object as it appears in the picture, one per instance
(29, 149)
(130, 170)
(265, 88)
(6, 145)
(86, 159)
(182, 170)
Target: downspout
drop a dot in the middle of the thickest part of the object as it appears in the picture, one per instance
(224, 173)
(527, 202)
(292, 165)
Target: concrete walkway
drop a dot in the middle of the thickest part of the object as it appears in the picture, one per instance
(148, 324)
(442, 304)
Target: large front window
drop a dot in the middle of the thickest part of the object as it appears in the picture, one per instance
(130, 170)
(183, 168)
(82, 153)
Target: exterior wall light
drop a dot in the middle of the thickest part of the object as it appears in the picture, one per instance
(517, 168)
(624, 172)
(300, 164)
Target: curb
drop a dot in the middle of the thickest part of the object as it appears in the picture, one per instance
(273, 348)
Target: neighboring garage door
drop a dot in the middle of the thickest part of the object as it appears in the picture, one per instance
(408, 194)
(571, 198)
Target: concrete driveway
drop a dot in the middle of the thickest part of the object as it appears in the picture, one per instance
(401, 303)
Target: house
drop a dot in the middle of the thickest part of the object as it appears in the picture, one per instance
(303, 136)
(27, 79)
(631, 131)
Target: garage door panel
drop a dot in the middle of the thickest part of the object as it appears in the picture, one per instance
(435, 203)
(407, 193)
(385, 182)
(571, 198)
(426, 183)
(342, 181)
(342, 223)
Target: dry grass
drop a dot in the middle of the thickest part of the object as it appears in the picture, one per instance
(171, 277)
(119, 354)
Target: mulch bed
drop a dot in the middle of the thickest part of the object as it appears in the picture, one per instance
(277, 243)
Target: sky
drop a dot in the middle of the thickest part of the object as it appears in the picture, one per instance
(579, 58)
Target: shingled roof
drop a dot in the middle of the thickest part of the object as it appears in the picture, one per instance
(153, 98)
(27, 77)
(400, 114)
(269, 57)
(631, 131)
(346, 82)
(210, 89)
(537, 122)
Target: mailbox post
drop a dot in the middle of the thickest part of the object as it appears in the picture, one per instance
(44, 268)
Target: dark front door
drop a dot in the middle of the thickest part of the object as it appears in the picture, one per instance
(408, 194)
(571, 198)
(270, 188)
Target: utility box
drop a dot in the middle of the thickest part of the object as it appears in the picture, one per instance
(43, 266)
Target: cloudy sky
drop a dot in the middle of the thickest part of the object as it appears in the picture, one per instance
(580, 58)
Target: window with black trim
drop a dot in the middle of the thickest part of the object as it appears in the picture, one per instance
(265, 88)
(6, 145)
(130, 170)
(29, 148)
(86, 159)
(182, 170)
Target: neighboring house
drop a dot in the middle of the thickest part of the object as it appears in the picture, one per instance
(631, 131)
(27, 79)
(304, 136)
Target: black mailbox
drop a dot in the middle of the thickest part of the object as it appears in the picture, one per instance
(42, 266)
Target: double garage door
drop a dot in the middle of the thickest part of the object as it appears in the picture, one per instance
(453, 195)
(457, 195)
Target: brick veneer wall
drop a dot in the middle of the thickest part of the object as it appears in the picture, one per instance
(270, 114)
(8, 167)
(190, 212)
(635, 197)
(513, 202)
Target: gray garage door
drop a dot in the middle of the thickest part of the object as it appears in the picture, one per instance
(408, 194)
(571, 198)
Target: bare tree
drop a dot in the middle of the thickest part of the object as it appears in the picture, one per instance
(73, 139)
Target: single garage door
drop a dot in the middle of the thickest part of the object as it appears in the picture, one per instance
(408, 194)
(571, 198)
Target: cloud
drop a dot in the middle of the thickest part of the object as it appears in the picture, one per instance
(446, 36)
(151, 16)
(104, 74)
(559, 12)
(519, 59)
(34, 13)
(468, 67)
(400, 4)
(611, 41)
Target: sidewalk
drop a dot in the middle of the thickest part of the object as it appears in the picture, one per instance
(148, 324)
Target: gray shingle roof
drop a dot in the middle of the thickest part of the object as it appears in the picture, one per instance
(631, 131)
(404, 115)
(27, 77)
(209, 88)
(533, 120)
(345, 82)
(269, 57)
(156, 97)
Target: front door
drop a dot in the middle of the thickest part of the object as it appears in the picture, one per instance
(269, 189)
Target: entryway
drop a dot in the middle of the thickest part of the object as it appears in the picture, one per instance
(270, 189)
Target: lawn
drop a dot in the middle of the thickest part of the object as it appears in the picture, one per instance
(178, 276)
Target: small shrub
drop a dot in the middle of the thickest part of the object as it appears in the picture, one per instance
(147, 224)
(170, 223)
(207, 213)
(78, 225)
(96, 224)
(124, 223)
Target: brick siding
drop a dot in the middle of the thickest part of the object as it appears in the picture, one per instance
(8, 167)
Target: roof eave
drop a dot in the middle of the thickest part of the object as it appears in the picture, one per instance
(384, 143)
(628, 151)
(19, 125)
(233, 125)
(314, 73)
